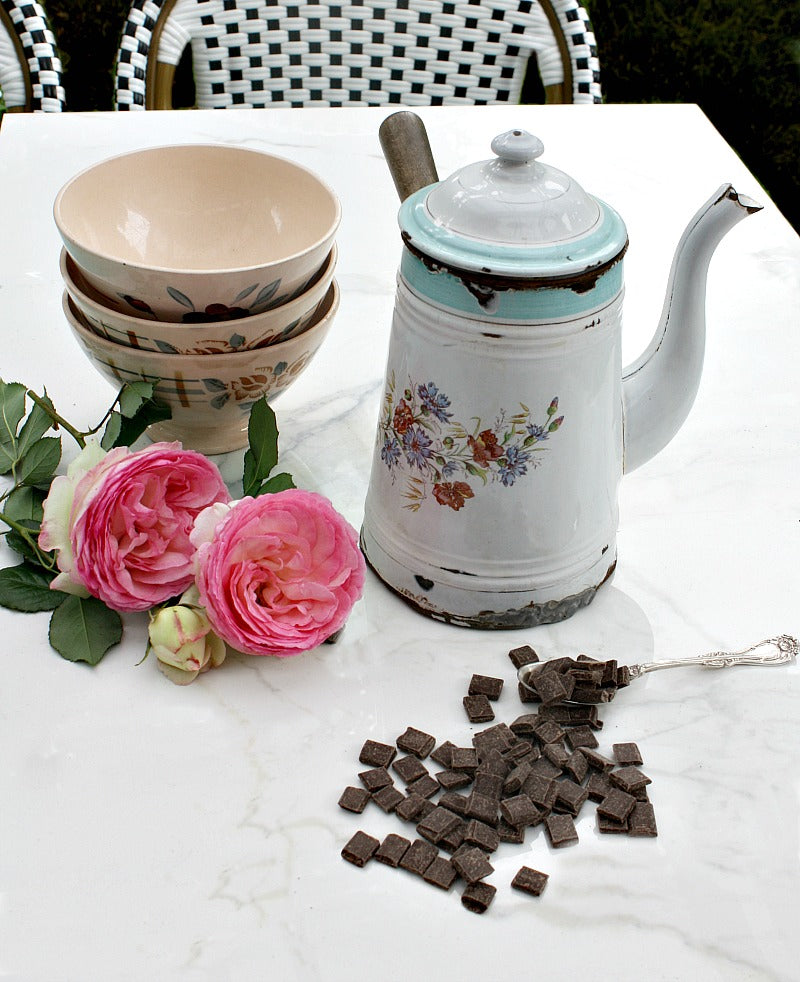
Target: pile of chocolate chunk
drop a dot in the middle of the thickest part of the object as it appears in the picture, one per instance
(537, 771)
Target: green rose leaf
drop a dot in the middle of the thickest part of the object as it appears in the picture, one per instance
(132, 396)
(111, 432)
(25, 504)
(150, 411)
(27, 589)
(12, 409)
(26, 545)
(39, 463)
(83, 629)
(35, 426)
(280, 482)
(262, 454)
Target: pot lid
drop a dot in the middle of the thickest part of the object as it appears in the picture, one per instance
(513, 216)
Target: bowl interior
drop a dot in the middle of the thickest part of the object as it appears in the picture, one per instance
(196, 208)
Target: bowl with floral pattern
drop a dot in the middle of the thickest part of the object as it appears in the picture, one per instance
(210, 395)
(235, 333)
(188, 231)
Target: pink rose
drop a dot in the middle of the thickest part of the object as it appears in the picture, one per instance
(122, 528)
(277, 574)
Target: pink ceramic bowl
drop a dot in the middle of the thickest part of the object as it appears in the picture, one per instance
(210, 395)
(214, 337)
(197, 228)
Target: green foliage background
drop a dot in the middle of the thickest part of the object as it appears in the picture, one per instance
(739, 59)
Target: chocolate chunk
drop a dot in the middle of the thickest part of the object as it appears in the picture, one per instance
(481, 835)
(526, 694)
(581, 736)
(572, 715)
(413, 808)
(611, 825)
(392, 850)
(530, 881)
(418, 857)
(551, 687)
(490, 785)
(485, 685)
(437, 824)
(525, 725)
(561, 830)
(416, 742)
(623, 676)
(452, 780)
(443, 753)
(513, 783)
(598, 785)
(354, 799)
(556, 754)
(498, 737)
(425, 786)
(441, 873)
(571, 795)
(520, 811)
(617, 805)
(360, 849)
(627, 753)
(577, 765)
(454, 802)
(388, 798)
(548, 731)
(510, 833)
(454, 838)
(478, 709)
(595, 760)
(629, 778)
(524, 655)
(464, 759)
(409, 768)
(375, 778)
(472, 865)
(545, 768)
(541, 790)
(478, 896)
(493, 762)
(481, 807)
(642, 820)
(377, 754)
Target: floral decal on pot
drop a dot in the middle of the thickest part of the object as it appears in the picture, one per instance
(420, 437)
(248, 388)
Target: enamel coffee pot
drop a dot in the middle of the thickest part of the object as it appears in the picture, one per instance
(507, 420)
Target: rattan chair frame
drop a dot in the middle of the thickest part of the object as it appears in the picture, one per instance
(293, 53)
(30, 68)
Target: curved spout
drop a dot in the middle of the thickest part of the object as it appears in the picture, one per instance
(659, 389)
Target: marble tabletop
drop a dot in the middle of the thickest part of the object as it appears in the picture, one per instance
(154, 832)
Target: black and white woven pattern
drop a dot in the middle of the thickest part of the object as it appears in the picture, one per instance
(42, 67)
(368, 52)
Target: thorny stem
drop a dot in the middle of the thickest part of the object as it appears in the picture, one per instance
(58, 419)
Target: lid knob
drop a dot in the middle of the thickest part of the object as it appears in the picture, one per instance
(517, 146)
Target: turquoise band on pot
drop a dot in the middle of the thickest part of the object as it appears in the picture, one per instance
(562, 259)
(545, 303)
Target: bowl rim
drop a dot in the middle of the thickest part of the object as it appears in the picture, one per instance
(144, 325)
(226, 359)
(69, 237)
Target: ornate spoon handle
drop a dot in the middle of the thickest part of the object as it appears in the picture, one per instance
(786, 650)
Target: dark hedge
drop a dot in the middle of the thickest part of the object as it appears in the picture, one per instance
(738, 60)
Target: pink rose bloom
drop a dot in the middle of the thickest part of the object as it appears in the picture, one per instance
(277, 574)
(122, 525)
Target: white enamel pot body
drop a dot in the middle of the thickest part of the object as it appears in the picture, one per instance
(492, 500)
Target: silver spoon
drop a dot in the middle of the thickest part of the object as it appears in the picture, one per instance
(786, 650)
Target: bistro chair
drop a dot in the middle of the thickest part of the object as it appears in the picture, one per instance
(247, 53)
(30, 69)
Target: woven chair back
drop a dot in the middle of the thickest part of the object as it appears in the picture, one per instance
(30, 69)
(247, 53)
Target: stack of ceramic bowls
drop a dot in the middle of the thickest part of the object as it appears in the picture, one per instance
(208, 270)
